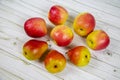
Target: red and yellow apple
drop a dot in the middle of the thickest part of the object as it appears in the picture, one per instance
(57, 15)
(62, 35)
(84, 23)
(35, 27)
(54, 61)
(34, 49)
(79, 56)
(98, 40)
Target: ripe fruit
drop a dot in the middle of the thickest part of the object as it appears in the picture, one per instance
(35, 27)
(62, 35)
(98, 40)
(34, 49)
(57, 15)
(54, 61)
(79, 56)
(84, 23)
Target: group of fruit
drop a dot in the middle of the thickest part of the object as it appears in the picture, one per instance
(62, 35)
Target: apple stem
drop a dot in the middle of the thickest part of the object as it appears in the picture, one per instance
(91, 41)
(55, 66)
(25, 53)
(86, 56)
(81, 29)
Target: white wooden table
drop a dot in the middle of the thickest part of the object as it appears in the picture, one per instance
(104, 65)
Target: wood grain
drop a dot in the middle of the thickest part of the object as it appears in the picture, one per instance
(104, 65)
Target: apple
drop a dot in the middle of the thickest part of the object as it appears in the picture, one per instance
(34, 49)
(62, 35)
(98, 40)
(54, 61)
(79, 56)
(84, 23)
(35, 27)
(57, 15)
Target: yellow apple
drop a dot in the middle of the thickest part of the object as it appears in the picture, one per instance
(55, 61)
(84, 23)
(79, 55)
(98, 40)
(34, 49)
(57, 15)
(62, 35)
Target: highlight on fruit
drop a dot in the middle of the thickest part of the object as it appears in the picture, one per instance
(55, 61)
(34, 49)
(57, 15)
(84, 23)
(79, 56)
(62, 35)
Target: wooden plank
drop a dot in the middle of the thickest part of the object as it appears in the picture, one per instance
(79, 77)
(75, 40)
(104, 64)
(112, 45)
(102, 6)
(115, 3)
(14, 45)
(98, 15)
(17, 12)
(113, 32)
(102, 25)
(25, 71)
(5, 75)
(75, 8)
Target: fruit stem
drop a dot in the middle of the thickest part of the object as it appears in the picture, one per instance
(55, 66)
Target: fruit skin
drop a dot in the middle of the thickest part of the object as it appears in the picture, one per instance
(98, 40)
(79, 56)
(57, 15)
(84, 23)
(34, 49)
(62, 35)
(35, 27)
(55, 61)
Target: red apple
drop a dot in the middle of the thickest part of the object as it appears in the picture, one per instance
(55, 61)
(57, 15)
(35, 27)
(79, 56)
(62, 35)
(84, 23)
(98, 40)
(34, 49)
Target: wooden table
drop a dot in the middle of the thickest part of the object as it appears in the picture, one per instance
(104, 65)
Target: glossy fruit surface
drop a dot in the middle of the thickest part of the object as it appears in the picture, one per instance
(55, 61)
(57, 15)
(62, 35)
(79, 56)
(35, 27)
(34, 49)
(84, 23)
(98, 40)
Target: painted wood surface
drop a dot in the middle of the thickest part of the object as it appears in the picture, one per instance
(104, 65)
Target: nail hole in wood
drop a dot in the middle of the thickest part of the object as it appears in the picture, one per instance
(114, 70)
